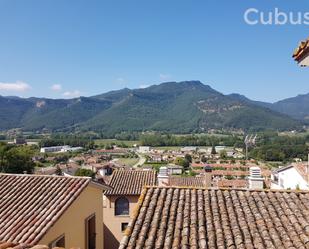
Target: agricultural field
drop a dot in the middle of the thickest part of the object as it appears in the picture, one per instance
(128, 161)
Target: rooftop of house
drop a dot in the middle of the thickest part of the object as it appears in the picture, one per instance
(130, 182)
(187, 181)
(10, 245)
(174, 217)
(52, 169)
(301, 168)
(31, 204)
(230, 173)
(237, 183)
(301, 51)
(118, 150)
(174, 166)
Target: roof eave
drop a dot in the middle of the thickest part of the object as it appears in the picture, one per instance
(99, 186)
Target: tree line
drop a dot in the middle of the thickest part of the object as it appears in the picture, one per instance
(72, 140)
(156, 140)
(16, 159)
(272, 147)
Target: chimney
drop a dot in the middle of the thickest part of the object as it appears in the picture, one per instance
(163, 179)
(208, 176)
(256, 181)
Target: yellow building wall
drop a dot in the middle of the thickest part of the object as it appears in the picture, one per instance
(72, 221)
(112, 223)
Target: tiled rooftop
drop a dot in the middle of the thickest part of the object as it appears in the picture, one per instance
(224, 183)
(130, 182)
(221, 165)
(31, 204)
(203, 218)
(302, 170)
(229, 173)
(302, 50)
(9, 245)
(187, 181)
(6, 245)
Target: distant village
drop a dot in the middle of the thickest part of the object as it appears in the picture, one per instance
(189, 167)
(148, 197)
(218, 168)
(227, 166)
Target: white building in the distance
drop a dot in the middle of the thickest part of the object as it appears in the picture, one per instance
(64, 148)
(143, 149)
(294, 176)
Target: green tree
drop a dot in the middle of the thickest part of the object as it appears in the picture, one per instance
(90, 145)
(188, 157)
(58, 171)
(204, 159)
(19, 160)
(3, 150)
(213, 150)
(85, 172)
(223, 154)
(62, 158)
(108, 147)
(182, 162)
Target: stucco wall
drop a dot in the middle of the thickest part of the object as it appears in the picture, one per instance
(290, 178)
(112, 223)
(72, 222)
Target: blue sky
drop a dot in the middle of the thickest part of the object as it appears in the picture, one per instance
(62, 48)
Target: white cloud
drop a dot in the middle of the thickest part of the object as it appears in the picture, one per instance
(18, 86)
(164, 76)
(72, 94)
(143, 86)
(56, 87)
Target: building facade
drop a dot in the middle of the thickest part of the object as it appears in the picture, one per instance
(51, 210)
(120, 202)
(291, 177)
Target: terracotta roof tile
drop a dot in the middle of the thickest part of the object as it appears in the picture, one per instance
(230, 173)
(9, 245)
(187, 181)
(302, 170)
(209, 218)
(224, 183)
(301, 51)
(131, 182)
(30, 205)
(220, 165)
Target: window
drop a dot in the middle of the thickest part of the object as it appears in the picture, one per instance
(59, 242)
(122, 206)
(90, 232)
(124, 226)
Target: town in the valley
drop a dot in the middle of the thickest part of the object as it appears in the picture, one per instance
(175, 165)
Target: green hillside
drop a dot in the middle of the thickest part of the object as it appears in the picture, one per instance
(182, 107)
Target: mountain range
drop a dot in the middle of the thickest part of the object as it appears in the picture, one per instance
(178, 107)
